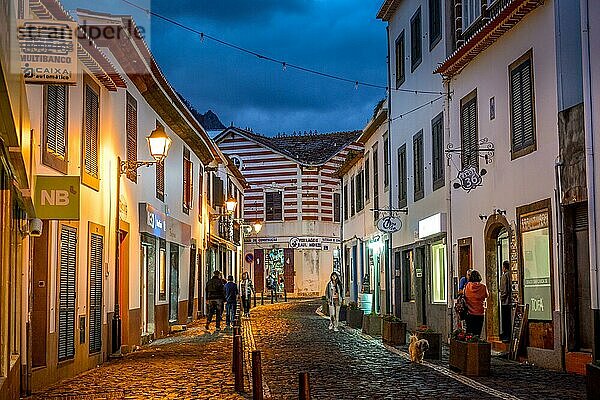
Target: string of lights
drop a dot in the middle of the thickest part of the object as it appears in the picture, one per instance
(284, 64)
(417, 108)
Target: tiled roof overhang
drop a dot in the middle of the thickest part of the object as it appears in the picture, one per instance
(387, 10)
(87, 52)
(352, 158)
(139, 64)
(512, 12)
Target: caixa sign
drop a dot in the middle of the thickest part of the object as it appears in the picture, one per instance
(389, 224)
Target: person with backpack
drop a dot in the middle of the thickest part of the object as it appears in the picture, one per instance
(231, 294)
(215, 296)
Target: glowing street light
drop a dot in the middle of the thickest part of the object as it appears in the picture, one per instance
(159, 143)
(230, 205)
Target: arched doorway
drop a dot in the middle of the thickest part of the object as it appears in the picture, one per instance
(497, 250)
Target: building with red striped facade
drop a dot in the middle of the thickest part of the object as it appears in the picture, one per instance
(295, 194)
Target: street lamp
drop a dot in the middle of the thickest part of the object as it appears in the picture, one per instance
(257, 225)
(230, 205)
(158, 144)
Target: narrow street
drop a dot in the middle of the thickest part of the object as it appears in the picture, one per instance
(293, 338)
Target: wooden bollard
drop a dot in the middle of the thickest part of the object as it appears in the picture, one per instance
(238, 370)
(257, 387)
(234, 354)
(303, 386)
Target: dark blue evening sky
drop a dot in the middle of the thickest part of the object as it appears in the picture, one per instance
(340, 37)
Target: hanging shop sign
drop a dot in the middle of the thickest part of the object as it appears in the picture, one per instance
(389, 224)
(48, 51)
(57, 197)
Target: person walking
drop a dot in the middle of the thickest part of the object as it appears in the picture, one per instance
(247, 290)
(476, 294)
(215, 295)
(505, 300)
(231, 294)
(334, 296)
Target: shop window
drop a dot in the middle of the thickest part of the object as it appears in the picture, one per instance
(131, 129)
(96, 260)
(162, 270)
(91, 135)
(273, 206)
(535, 247)
(408, 276)
(438, 273)
(55, 127)
(67, 292)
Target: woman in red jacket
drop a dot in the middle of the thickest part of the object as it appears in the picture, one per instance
(476, 294)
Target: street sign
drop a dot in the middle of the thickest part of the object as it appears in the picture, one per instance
(389, 224)
(305, 243)
(57, 197)
(249, 257)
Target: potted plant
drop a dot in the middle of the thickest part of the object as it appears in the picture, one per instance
(469, 354)
(435, 342)
(372, 324)
(325, 308)
(354, 316)
(593, 379)
(393, 331)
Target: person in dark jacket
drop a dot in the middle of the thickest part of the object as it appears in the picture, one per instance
(505, 300)
(231, 293)
(215, 296)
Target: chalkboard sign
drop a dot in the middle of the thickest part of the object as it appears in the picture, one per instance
(519, 327)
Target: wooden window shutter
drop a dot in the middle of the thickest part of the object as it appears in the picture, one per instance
(95, 318)
(259, 270)
(67, 293)
(336, 207)
(418, 184)
(187, 181)
(367, 178)
(131, 129)
(437, 151)
(345, 201)
(400, 60)
(402, 184)
(522, 108)
(288, 271)
(92, 104)
(200, 191)
(54, 152)
(469, 136)
(352, 196)
(416, 51)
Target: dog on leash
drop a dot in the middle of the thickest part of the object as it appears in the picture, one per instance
(417, 348)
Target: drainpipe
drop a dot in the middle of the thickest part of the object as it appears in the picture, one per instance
(590, 174)
(449, 240)
(558, 164)
(389, 282)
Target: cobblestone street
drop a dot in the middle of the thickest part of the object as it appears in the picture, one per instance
(293, 338)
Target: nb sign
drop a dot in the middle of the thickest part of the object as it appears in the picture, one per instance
(55, 197)
(389, 224)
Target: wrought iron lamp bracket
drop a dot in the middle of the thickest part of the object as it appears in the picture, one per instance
(485, 149)
(132, 166)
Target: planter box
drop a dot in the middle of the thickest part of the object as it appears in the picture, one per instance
(343, 312)
(471, 359)
(394, 333)
(435, 344)
(354, 318)
(372, 324)
(593, 381)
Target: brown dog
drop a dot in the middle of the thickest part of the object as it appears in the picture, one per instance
(417, 349)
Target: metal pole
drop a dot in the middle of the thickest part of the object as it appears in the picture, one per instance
(303, 386)
(238, 366)
(116, 322)
(257, 387)
(262, 298)
(254, 301)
